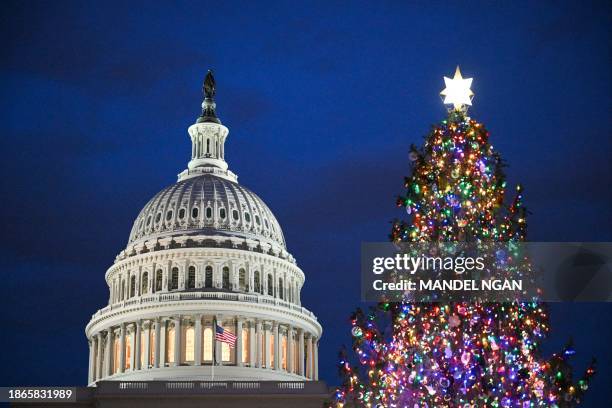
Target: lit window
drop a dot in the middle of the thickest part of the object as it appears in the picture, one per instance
(143, 352)
(207, 343)
(116, 354)
(272, 356)
(152, 348)
(128, 350)
(189, 344)
(284, 352)
(246, 345)
(226, 351)
(170, 345)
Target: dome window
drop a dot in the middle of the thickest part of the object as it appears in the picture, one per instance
(208, 212)
(235, 215)
(247, 217)
(222, 213)
(226, 278)
(174, 278)
(157, 217)
(191, 276)
(149, 221)
(266, 222)
(194, 212)
(257, 220)
(169, 215)
(158, 280)
(181, 213)
(208, 277)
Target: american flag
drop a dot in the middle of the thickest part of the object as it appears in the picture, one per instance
(225, 336)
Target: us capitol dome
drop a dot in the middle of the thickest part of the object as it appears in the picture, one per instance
(204, 256)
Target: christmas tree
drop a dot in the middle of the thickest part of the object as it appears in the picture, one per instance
(457, 354)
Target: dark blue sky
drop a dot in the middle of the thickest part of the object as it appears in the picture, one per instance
(322, 101)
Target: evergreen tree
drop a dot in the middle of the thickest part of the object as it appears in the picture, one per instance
(457, 354)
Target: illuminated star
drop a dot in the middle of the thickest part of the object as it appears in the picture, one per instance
(457, 91)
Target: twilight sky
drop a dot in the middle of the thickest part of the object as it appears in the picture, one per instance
(322, 101)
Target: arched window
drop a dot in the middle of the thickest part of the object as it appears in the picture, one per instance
(158, 217)
(270, 285)
(222, 213)
(174, 279)
(247, 217)
(158, 280)
(235, 215)
(208, 212)
(257, 282)
(145, 284)
(208, 277)
(242, 279)
(280, 288)
(191, 277)
(194, 212)
(132, 285)
(169, 215)
(226, 278)
(148, 220)
(182, 213)
(257, 220)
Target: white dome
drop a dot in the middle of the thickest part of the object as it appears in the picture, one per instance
(204, 255)
(207, 205)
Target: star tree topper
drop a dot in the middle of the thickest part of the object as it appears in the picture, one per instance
(457, 91)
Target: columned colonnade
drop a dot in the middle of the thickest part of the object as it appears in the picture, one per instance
(189, 341)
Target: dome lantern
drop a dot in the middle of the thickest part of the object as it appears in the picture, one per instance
(208, 137)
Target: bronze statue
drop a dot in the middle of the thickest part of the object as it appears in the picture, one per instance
(209, 85)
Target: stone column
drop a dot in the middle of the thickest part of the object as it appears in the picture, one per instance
(147, 350)
(301, 353)
(177, 341)
(315, 357)
(252, 345)
(267, 346)
(277, 354)
(157, 351)
(137, 351)
(290, 350)
(309, 358)
(92, 363)
(97, 374)
(109, 352)
(259, 341)
(239, 341)
(122, 348)
(197, 355)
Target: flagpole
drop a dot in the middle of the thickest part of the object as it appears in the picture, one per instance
(214, 362)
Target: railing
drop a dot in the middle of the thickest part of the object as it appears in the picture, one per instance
(172, 297)
(212, 387)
